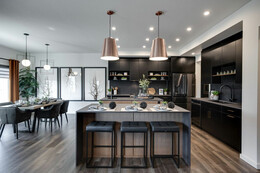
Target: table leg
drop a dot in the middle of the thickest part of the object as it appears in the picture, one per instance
(34, 123)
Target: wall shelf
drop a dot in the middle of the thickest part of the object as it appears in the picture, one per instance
(217, 75)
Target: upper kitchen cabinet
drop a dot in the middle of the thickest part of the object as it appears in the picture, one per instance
(229, 53)
(239, 61)
(114, 65)
(143, 69)
(120, 65)
(134, 70)
(183, 64)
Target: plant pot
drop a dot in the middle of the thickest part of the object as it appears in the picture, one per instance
(214, 97)
(165, 93)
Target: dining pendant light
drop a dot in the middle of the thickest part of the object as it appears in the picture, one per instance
(158, 49)
(47, 66)
(26, 62)
(109, 52)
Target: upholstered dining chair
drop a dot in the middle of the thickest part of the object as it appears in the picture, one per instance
(50, 113)
(64, 110)
(13, 115)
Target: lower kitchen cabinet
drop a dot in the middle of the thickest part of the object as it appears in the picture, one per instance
(223, 123)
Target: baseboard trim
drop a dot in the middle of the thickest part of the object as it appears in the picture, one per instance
(250, 161)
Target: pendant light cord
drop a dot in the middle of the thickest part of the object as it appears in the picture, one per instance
(25, 46)
(158, 26)
(47, 59)
(109, 26)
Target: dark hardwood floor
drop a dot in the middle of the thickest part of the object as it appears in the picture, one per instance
(55, 153)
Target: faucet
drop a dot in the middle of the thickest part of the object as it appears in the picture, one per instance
(231, 92)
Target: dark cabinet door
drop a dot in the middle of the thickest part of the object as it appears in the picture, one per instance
(211, 119)
(143, 68)
(229, 53)
(124, 65)
(232, 130)
(239, 61)
(164, 65)
(216, 57)
(114, 65)
(206, 72)
(152, 66)
(183, 64)
(134, 69)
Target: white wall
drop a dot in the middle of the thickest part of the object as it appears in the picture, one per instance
(73, 60)
(250, 15)
(198, 75)
(7, 53)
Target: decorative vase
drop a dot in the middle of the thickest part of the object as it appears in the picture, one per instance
(144, 92)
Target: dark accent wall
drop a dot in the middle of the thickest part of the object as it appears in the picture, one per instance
(223, 56)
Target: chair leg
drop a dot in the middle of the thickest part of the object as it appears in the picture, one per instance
(45, 122)
(61, 119)
(2, 129)
(16, 131)
(28, 123)
(57, 119)
(14, 128)
(66, 117)
(51, 124)
(38, 124)
(25, 123)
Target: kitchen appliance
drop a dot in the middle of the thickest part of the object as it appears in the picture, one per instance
(196, 112)
(183, 89)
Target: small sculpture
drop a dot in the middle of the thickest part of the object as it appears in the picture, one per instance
(171, 105)
(143, 105)
(112, 105)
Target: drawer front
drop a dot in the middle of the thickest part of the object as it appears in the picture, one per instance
(227, 110)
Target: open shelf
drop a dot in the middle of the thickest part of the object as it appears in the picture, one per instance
(224, 74)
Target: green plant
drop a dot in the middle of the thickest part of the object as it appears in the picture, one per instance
(216, 93)
(165, 102)
(100, 102)
(135, 102)
(144, 83)
(27, 83)
(165, 89)
(109, 89)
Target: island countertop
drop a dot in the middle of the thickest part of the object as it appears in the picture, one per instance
(120, 108)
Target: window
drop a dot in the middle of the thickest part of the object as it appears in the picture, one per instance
(4, 84)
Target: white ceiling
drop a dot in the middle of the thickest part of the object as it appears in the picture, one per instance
(81, 25)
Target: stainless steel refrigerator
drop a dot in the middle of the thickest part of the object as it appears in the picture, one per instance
(183, 89)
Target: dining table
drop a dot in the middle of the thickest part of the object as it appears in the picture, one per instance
(33, 108)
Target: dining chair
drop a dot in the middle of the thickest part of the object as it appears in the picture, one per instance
(64, 110)
(50, 113)
(13, 115)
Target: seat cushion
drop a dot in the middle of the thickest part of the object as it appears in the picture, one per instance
(129, 126)
(167, 126)
(100, 126)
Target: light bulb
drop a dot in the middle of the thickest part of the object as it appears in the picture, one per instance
(26, 62)
(47, 67)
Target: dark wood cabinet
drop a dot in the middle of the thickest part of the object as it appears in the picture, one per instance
(229, 53)
(143, 67)
(114, 65)
(239, 61)
(183, 64)
(222, 122)
(124, 65)
(134, 70)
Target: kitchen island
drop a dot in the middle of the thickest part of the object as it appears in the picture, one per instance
(162, 140)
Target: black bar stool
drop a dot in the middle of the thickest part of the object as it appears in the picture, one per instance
(164, 127)
(134, 127)
(101, 126)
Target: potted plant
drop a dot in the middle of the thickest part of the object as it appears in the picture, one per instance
(165, 91)
(27, 83)
(164, 104)
(100, 103)
(135, 103)
(214, 95)
(109, 91)
(144, 84)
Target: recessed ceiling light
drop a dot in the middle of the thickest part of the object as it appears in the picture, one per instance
(189, 29)
(151, 28)
(177, 39)
(118, 46)
(169, 47)
(206, 13)
(144, 46)
(117, 39)
(193, 53)
(51, 28)
(147, 39)
(113, 28)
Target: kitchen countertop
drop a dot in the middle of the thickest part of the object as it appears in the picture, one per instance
(130, 99)
(231, 105)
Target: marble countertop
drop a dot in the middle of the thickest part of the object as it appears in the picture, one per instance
(120, 108)
(130, 99)
(230, 104)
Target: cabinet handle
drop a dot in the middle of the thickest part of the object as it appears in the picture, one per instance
(230, 110)
(230, 116)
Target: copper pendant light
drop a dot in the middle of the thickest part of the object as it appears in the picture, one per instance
(109, 52)
(158, 49)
